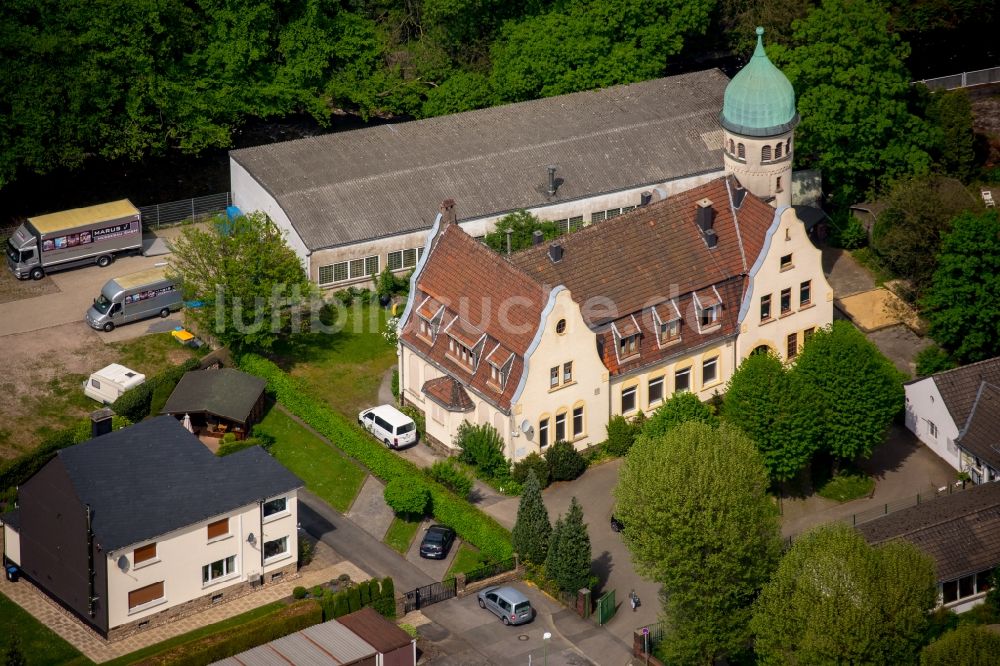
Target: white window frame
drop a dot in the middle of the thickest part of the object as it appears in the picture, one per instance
(583, 421)
(275, 514)
(686, 372)
(661, 381)
(407, 258)
(634, 390)
(279, 555)
(230, 569)
(714, 363)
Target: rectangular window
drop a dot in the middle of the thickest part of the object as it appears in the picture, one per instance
(628, 346)
(567, 372)
(613, 212)
(949, 591)
(786, 262)
(333, 273)
(765, 307)
(218, 528)
(710, 370)
(710, 316)
(543, 433)
(682, 380)
(218, 569)
(792, 345)
(805, 293)
(563, 225)
(275, 506)
(410, 258)
(144, 595)
(670, 330)
(554, 377)
(420, 252)
(144, 553)
(655, 390)
(786, 301)
(628, 399)
(275, 548)
(561, 427)
(983, 581)
(808, 333)
(357, 267)
(395, 260)
(575, 222)
(577, 421)
(371, 265)
(932, 429)
(599, 216)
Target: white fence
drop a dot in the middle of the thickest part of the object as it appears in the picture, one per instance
(172, 212)
(964, 80)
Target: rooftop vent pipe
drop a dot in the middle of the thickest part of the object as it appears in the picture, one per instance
(552, 179)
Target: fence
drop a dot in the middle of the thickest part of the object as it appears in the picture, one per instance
(490, 570)
(172, 212)
(429, 594)
(905, 503)
(963, 80)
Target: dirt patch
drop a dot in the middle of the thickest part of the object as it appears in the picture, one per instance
(12, 289)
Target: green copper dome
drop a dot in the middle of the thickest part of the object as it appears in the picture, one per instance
(759, 100)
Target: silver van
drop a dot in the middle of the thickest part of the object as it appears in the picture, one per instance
(508, 604)
(389, 425)
(132, 297)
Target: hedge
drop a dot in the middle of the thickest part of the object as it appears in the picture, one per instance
(471, 524)
(233, 641)
(149, 397)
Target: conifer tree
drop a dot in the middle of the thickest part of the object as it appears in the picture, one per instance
(569, 558)
(532, 530)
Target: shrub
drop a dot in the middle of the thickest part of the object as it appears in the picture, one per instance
(231, 446)
(134, 403)
(565, 462)
(531, 463)
(386, 601)
(621, 435)
(395, 383)
(316, 591)
(847, 232)
(481, 447)
(407, 497)
(450, 475)
(418, 418)
(364, 589)
(341, 604)
(354, 598)
(264, 439)
(150, 396)
(305, 552)
(933, 359)
(299, 592)
(410, 630)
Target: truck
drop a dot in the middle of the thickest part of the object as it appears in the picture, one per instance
(90, 235)
(134, 296)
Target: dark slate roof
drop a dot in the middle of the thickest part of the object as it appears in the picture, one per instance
(155, 477)
(375, 630)
(448, 393)
(960, 386)
(341, 188)
(981, 435)
(12, 518)
(224, 392)
(961, 531)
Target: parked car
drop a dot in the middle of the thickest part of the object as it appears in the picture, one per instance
(508, 604)
(437, 542)
(389, 425)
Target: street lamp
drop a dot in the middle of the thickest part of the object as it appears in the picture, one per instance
(545, 648)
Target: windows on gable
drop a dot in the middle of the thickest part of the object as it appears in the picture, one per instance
(786, 301)
(786, 262)
(805, 293)
(567, 372)
(628, 346)
(765, 307)
(144, 554)
(554, 377)
(275, 506)
(218, 529)
(275, 548)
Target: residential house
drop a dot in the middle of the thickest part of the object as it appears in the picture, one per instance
(961, 532)
(957, 414)
(141, 525)
(218, 400)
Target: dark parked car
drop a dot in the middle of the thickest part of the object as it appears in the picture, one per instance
(437, 542)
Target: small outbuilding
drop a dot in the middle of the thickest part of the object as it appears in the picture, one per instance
(326, 643)
(218, 401)
(395, 647)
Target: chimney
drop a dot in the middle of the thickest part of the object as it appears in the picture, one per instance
(537, 237)
(711, 238)
(645, 198)
(448, 212)
(555, 253)
(552, 179)
(706, 215)
(100, 422)
(738, 196)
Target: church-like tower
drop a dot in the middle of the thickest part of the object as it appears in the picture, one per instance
(758, 118)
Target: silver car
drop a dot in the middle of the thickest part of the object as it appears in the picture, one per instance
(508, 604)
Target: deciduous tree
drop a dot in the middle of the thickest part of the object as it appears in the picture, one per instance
(680, 408)
(522, 225)
(532, 529)
(705, 529)
(967, 644)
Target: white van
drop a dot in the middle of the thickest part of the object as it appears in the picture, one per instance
(108, 383)
(389, 425)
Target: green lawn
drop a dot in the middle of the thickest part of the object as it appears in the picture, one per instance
(400, 534)
(153, 353)
(38, 643)
(342, 368)
(847, 486)
(323, 469)
(466, 560)
(207, 630)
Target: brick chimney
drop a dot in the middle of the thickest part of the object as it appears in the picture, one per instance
(448, 215)
(100, 422)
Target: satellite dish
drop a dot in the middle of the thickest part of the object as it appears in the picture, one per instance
(123, 563)
(527, 428)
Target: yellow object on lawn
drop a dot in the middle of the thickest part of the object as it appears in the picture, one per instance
(182, 335)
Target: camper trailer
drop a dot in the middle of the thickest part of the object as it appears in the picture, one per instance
(132, 297)
(108, 383)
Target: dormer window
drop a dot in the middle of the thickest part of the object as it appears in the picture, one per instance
(667, 322)
(709, 316)
(498, 376)
(628, 346)
(670, 331)
(461, 353)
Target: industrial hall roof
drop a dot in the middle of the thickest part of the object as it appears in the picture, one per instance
(380, 181)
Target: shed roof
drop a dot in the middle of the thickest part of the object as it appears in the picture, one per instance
(322, 645)
(383, 635)
(223, 392)
(335, 188)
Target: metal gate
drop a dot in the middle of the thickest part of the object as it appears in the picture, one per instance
(606, 607)
(429, 594)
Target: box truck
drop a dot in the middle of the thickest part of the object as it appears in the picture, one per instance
(132, 297)
(91, 235)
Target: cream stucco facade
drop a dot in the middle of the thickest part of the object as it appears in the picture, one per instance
(763, 165)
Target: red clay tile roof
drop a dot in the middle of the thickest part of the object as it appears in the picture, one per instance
(448, 393)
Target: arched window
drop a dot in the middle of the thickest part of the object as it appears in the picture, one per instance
(765, 154)
(777, 151)
(732, 147)
(761, 349)
(788, 147)
(741, 151)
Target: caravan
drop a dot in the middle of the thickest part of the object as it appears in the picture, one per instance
(108, 383)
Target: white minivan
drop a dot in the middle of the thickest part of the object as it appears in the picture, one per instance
(391, 426)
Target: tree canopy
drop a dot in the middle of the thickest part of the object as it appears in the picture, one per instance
(967, 644)
(680, 408)
(708, 535)
(836, 600)
(569, 558)
(523, 225)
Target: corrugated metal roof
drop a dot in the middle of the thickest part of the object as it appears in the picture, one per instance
(322, 645)
(380, 181)
(69, 219)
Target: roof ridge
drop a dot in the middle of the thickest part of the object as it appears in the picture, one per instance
(950, 519)
(995, 359)
(975, 405)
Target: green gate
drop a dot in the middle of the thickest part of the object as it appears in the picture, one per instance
(606, 607)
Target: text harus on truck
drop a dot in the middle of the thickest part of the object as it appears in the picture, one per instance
(91, 235)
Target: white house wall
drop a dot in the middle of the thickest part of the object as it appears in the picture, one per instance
(924, 407)
(12, 544)
(250, 196)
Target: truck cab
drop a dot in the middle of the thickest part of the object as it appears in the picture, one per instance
(22, 254)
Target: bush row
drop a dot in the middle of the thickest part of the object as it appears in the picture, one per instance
(381, 597)
(233, 641)
(470, 523)
(150, 396)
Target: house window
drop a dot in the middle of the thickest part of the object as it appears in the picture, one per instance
(805, 293)
(145, 595)
(682, 380)
(964, 587)
(218, 529)
(932, 429)
(654, 390)
(628, 399)
(777, 151)
(670, 330)
(349, 270)
(599, 216)
(765, 153)
(777, 184)
(275, 548)
(612, 213)
(402, 259)
(462, 353)
(395, 260)
(786, 262)
(561, 427)
(561, 326)
(741, 151)
(275, 506)
(808, 333)
(710, 370)
(144, 553)
(543, 433)
(765, 307)
(498, 376)
(786, 301)
(732, 147)
(792, 345)
(628, 346)
(577, 421)
(567, 372)
(554, 377)
(710, 316)
(218, 569)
